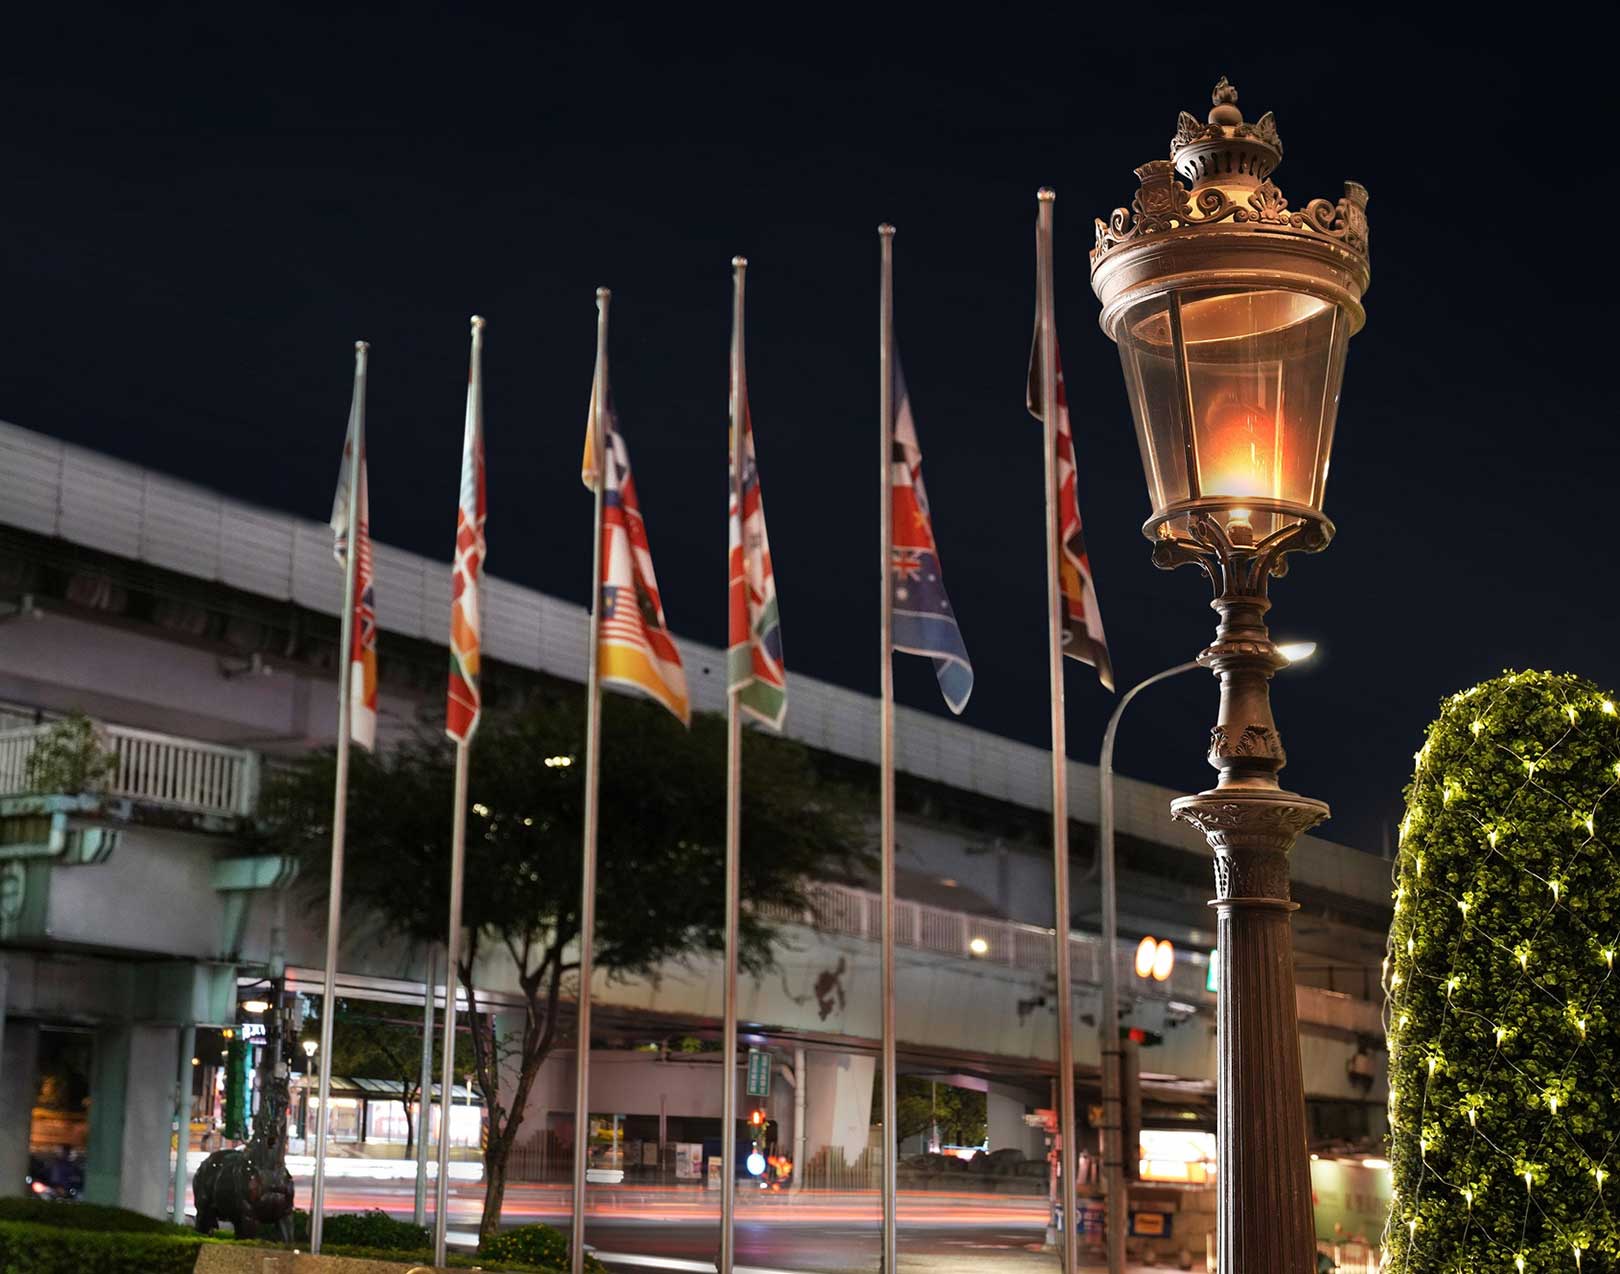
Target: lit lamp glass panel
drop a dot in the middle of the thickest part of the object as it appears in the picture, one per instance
(1234, 395)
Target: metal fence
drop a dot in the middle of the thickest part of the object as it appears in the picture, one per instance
(181, 774)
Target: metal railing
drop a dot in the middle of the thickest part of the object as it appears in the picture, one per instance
(856, 913)
(163, 769)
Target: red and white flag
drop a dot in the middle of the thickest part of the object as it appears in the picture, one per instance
(467, 572)
(360, 663)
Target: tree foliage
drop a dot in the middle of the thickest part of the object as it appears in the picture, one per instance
(921, 1105)
(660, 852)
(1504, 1017)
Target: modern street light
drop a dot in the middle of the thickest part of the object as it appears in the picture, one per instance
(1232, 313)
(1108, 1044)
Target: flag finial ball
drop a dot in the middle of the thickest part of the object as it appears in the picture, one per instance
(1046, 194)
(886, 230)
(603, 294)
(478, 322)
(360, 347)
(740, 263)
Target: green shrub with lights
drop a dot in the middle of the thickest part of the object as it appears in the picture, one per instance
(1503, 1004)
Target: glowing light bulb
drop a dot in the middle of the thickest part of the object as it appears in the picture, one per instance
(1476, 725)
(1580, 1025)
(1492, 838)
(1601, 1176)
(1468, 1196)
(1452, 983)
(1608, 707)
(1555, 887)
(1524, 957)
(1570, 708)
(1591, 826)
(1462, 905)
(1608, 956)
(1527, 1181)
(1473, 1117)
(1405, 1018)
(1531, 766)
(1411, 1226)
(1501, 1034)
(1395, 979)
(1423, 1146)
(1519, 1262)
(1411, 944)
(1433, 1063)
(1552, 1103)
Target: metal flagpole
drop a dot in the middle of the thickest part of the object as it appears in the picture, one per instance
(728, 1068)
(1060, 747)
(340, 793)
(593, 757)
(452, 954)
(890, 1256)
(424, 1105)
(458, 856)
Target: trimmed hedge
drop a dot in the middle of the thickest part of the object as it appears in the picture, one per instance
(1504, 1009)
(26, 1248)
(84, 1216)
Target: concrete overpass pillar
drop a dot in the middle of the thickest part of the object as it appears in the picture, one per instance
(131, 1111)
(838, 1103)
(19, 1080)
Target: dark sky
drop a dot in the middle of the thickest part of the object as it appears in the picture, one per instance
(199, 215)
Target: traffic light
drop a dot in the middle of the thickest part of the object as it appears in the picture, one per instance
(1145, 1039)
(756, 1119)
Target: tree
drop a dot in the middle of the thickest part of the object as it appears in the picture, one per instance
(660, 846)
(373, 1041)
(1504, 1011)
(922, 1104)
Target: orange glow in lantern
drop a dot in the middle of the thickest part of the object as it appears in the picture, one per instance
(1147, 950)
(1237, 449)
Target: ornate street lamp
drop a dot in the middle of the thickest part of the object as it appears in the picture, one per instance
(1232, 312)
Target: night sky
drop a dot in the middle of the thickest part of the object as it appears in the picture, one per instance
(199, 216)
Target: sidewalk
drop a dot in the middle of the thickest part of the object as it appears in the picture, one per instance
(980, 1263)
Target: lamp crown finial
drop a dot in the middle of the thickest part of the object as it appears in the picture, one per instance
(1225, 96)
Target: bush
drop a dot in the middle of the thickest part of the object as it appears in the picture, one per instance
(68, 759)
(83, 1216)
(48, 1249)
(374, 1230)
(1504, 1010)
(536, 1245)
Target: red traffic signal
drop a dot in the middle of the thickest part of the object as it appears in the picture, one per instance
(757, 1118)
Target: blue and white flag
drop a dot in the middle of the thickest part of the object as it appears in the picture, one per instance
(924, 623)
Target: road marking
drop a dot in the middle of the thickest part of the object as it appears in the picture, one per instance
(684, 1267)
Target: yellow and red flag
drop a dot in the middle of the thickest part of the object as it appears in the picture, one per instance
(636, 651)
(467, 571)
(360, 662)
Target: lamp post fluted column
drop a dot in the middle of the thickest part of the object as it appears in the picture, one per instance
(1265, 1217)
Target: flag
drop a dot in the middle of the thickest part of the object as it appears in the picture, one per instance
(754, 669)
(360, 665)
(461, 716)
(1083, 636)
(636, 651)
(924, 623)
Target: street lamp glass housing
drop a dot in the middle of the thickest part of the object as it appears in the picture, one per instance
(1234, 392)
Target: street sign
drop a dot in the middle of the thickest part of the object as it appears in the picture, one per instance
(759, 1073)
